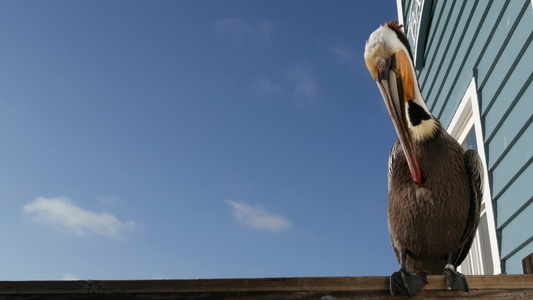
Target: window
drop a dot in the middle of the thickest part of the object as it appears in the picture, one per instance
(416, 26)
(465, 127)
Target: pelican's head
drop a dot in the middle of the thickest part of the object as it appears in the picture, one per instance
(389, 59)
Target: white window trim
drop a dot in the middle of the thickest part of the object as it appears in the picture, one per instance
(466, 117)
(399, 8)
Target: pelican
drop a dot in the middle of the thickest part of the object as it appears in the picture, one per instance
(435, 186)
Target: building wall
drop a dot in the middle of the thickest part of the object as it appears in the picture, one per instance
(490, 41)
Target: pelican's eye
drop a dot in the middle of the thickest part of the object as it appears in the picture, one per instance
(381, 64)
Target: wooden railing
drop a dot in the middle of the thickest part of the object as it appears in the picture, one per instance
(320, 288)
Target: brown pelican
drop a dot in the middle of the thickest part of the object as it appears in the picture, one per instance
(435, 187)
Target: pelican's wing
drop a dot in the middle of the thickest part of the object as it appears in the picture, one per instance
(474, 167)
(394, 152)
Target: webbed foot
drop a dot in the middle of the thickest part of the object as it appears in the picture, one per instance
(404, 283)
(455, 280)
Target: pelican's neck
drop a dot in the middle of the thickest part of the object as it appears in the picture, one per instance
(425, 130)
(422, 123)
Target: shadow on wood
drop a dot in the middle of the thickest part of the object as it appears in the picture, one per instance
(320, 288)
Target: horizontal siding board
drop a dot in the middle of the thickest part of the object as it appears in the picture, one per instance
(495, 46)
(514, 198)
(517, 233)
(445, 79)
(511, 127)
(436, 50)
(508, 78)
(435, 27)
(455, 98)
(485, 13)
(434, 17)
(494, 14)
(516, 159)
(513, 264)
(460, 72)
(438, 68)
(462, 67)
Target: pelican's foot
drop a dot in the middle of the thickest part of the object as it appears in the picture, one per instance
(455, 280)
(403, 283)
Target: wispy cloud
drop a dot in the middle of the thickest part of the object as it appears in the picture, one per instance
(302, 75)
(235, 28)
(344, 55)
(70, 277)
(257, 217)
(264, 85)
(63, 214)
(265, 31)
(109, 200)
(241, 31)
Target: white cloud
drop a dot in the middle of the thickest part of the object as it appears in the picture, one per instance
(257, 217)
(344, 55)
(70, 277)
(240, 30)
(63, 214)
(301, 74)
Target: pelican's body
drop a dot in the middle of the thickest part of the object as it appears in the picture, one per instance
(429, 220)
(435, 186)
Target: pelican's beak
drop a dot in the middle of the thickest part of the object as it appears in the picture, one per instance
(396, 82)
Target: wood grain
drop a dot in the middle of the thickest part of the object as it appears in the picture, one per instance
(320, 288)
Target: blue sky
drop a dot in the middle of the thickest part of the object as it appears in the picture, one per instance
(191, 139)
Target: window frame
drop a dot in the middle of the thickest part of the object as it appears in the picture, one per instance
(417, 27)
(466, 117)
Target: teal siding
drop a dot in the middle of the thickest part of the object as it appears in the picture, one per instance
(513, 137)
(515, 199)
(516, 264)
(516, 87)
(433, 58)
(442, 75)
(491, 41)
(517, 235)
(454, 69)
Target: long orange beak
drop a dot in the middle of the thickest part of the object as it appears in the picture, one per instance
(396, 84)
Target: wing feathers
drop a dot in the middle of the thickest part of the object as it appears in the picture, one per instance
(474, 167)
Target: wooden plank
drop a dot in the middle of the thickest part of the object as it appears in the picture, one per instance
(527, 264)
(323, 288)
(45, 287)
